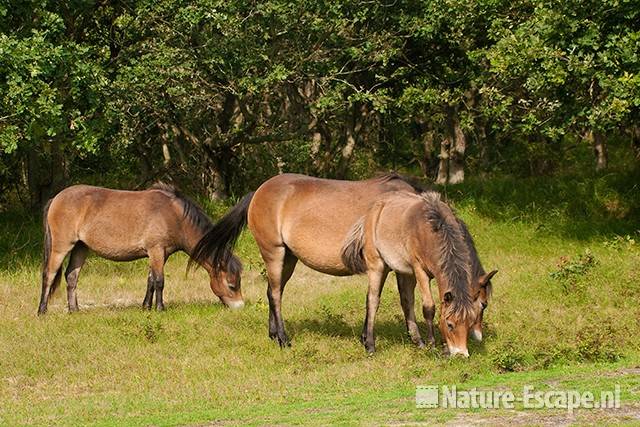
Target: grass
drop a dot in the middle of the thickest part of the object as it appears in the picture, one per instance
(564, 315)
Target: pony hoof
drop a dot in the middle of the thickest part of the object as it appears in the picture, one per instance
(371, 348)
(421, 345)
(284, 343)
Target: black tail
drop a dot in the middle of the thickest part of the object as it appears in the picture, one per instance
(47, 236)
(216, 246)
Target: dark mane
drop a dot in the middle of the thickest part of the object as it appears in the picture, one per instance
(476, 267)
(417, 186)
(198, 218)
(192, 212)
(455, 256)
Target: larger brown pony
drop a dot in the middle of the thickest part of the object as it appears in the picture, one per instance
(123, 226)
(299, 217)
(418, 236)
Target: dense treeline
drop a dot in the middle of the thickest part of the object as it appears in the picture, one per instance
(218, 95)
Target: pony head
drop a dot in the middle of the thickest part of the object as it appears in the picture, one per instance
(226, 283)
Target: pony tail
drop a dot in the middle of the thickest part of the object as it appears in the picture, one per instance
(352, 252)
(217, 244)
(47, 235)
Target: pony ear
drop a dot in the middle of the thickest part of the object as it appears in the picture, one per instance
(484, 280)
(448, 297)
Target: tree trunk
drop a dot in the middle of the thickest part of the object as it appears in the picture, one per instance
(443, 165)
(457, 150)
(351, 132)
(596, 139)
(635, 140)
(428, 145)
(46, 173)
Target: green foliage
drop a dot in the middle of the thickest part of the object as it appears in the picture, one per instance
(217, 96)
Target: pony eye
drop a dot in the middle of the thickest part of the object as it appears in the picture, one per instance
(450, 326)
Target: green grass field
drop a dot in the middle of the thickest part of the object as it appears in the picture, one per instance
(565, 314)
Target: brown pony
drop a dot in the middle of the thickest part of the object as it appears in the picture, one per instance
(296, 217)
(124, 226)
(419, 238)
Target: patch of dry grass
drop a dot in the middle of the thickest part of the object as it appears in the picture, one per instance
(199, 363)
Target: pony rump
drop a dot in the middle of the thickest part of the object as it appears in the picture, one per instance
(454, 257)
(217, 244)
(352, 251)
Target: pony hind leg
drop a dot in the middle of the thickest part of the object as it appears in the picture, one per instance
(76, 261)
(288, 265)
(280, 264)
(377, 278)
(51, 275)
(406, 288)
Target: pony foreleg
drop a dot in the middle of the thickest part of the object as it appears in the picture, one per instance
(406, 288)
(428, 306)
(376, 283)
(148, 298)
(156, 275)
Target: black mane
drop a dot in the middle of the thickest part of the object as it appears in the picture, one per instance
(191, 210)
(417, 186)
(193, 213)
(455, 258)
(476, 266)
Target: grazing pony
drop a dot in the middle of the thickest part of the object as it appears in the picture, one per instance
(124, 226)
(418, 237)
(296, 217)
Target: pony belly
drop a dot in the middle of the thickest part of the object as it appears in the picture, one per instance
(117, 253)
(326, 268)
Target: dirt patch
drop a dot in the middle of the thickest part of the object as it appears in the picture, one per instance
(519, 418)
(623, 372)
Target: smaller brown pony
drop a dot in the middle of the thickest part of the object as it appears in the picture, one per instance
(418, 237)
(124, 226)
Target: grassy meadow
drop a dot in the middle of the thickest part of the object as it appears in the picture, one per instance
(565, 314)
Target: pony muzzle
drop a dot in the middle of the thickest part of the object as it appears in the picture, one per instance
(234, 305)
(455, 351)
(476, 335)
